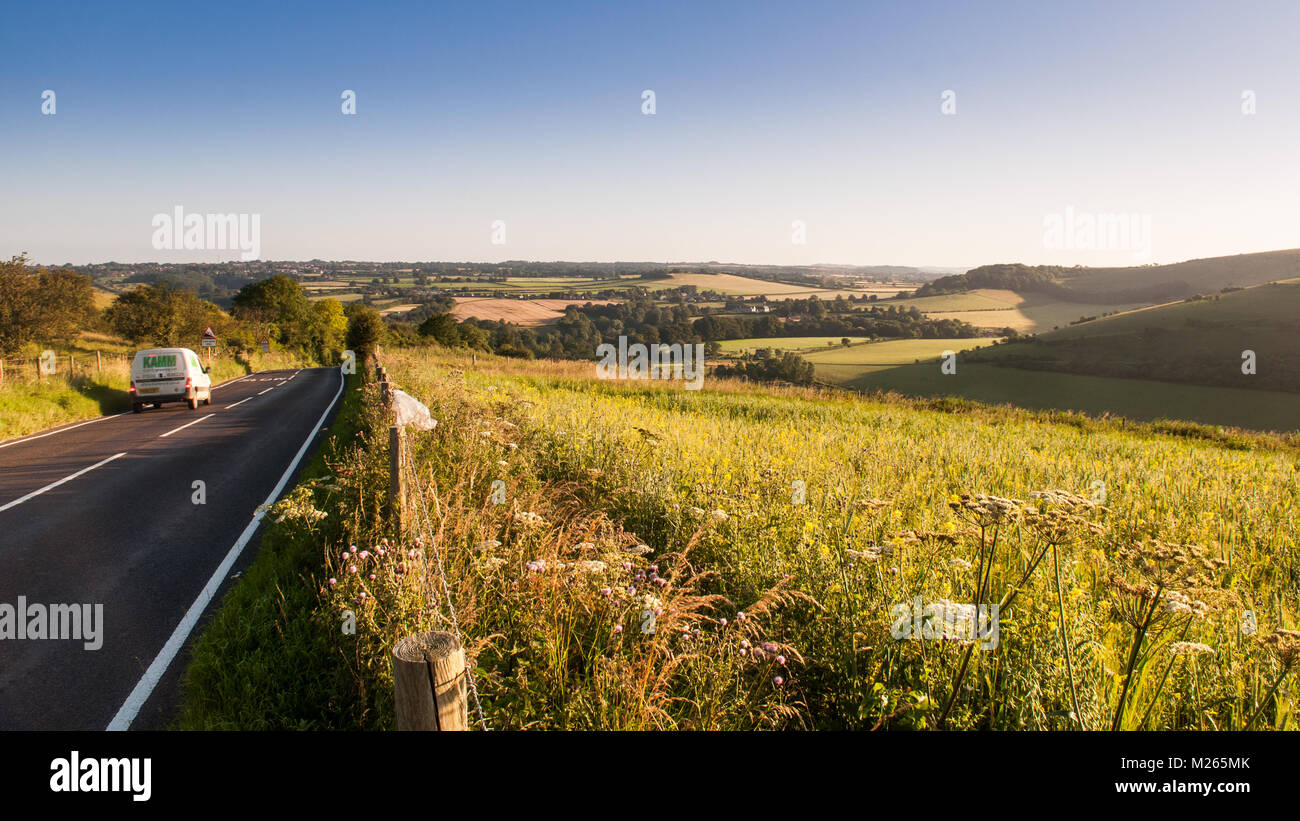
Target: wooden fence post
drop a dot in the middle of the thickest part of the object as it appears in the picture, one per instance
(99, 363)
(396, 482)
(429, 685)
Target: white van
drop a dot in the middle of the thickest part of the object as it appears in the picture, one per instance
(161, 375)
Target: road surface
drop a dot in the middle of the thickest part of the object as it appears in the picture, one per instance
(104, 513)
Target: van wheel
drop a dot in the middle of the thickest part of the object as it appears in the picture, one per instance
(136, 407)
(194, 404)
(207, 400)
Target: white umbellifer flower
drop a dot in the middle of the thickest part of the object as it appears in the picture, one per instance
(529, 518)
(960, 563)
(590, 566)
(490, 544)
(640, 550)
(1188, 648)
(719, 515)
(696, 511)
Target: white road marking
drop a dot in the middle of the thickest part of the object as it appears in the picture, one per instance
(231, 381)
(240, 402)
(268, 389)
(186, 425)
(53, 485)
(144, 687)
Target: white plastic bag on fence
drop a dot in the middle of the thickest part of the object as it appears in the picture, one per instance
(411, 412)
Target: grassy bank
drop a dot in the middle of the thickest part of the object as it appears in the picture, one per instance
(267, 660)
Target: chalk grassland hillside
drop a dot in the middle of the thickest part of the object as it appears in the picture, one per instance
(736, 557)
(1198, 342)
(1149, 284)
(1183, 279)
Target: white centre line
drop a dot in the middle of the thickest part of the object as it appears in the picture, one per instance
(186, 425)
(268, 389)
(144, 687)
(240, 402)
(53, 485)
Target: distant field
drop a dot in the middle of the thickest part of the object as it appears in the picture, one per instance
(1133, 398)
(994, 308)
(521, 311)
(784, 343)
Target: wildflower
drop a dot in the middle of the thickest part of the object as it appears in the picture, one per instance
(352, 568)
(536, 566)
(618, 628)
(590, 566)
(352, 549)
(960, 564)
(529, 518)
(606, 592)
(372, 576)
(1187, 648)
(363, 555)
(722, 622)
(778, 681)
(719, 515)
(490, 544)
(640, 550)
(780, 660)
(769, 647)
(740, 616)
(744, 644)
(333, 582)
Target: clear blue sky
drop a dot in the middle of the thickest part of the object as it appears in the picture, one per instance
(767, 113)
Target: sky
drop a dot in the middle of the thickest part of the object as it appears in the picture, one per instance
(782, 133)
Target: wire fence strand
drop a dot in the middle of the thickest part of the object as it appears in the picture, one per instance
(425, 524)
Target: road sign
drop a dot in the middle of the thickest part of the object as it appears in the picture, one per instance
(208, 333)
(208, 342)
(266, 344)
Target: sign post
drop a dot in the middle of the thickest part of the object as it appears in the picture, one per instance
(209, 341)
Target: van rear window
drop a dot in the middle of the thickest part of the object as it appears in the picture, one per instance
(160, 360)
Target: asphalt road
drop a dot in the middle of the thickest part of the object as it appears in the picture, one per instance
(104, 513)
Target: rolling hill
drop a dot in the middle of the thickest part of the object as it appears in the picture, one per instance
(1146, 283)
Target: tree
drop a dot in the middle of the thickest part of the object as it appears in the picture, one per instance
(365, 330)
(158, 314)
(38, 304)
(441, 328)
(280, 305)
(328, 329)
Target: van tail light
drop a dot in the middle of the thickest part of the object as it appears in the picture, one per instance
(132, 390)
(189, 382)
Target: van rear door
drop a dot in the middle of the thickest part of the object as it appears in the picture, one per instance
(162, 373)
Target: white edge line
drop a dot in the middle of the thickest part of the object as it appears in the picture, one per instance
(53, 485)
(186, 425)
(61, 430)
(144, 687)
